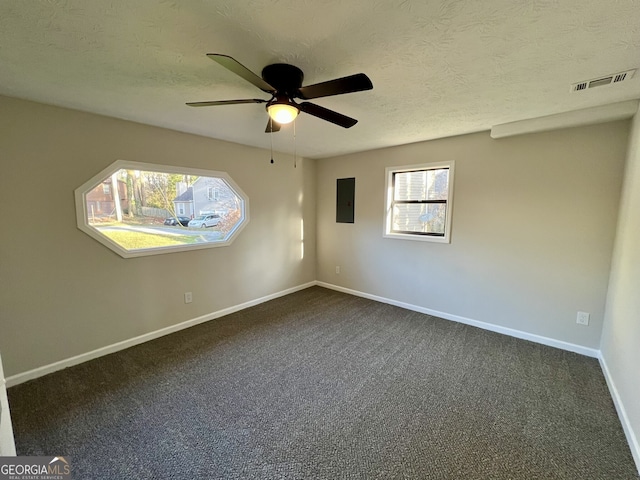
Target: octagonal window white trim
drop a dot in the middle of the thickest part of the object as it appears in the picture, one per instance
(215, 230)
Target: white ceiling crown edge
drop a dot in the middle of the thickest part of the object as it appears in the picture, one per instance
(585, 116)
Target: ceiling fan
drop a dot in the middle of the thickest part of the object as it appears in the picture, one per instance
(284, 83)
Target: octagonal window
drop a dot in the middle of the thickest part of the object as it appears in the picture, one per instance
(145, 209)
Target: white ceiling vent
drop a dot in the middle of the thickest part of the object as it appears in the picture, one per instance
(599, 82)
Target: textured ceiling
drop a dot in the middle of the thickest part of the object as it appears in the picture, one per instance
(439, 67)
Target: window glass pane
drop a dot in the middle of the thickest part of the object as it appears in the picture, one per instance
(150, 209)
(419, 218)
(438, 186)
(422, 185)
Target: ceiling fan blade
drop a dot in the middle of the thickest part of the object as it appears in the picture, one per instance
(236, 67)
(272, 126)
(225, 102)
(328, 115)
(352, 83)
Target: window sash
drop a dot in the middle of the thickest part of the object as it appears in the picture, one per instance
(394, 215)
(395, 203)
(418, 203)
(429, 188)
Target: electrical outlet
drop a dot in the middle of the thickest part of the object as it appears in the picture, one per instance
(337, 269)
(188, 297)
(583, 318)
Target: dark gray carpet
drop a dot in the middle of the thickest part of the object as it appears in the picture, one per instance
(319, 384)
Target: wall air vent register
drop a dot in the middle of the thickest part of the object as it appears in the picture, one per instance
(602, 81)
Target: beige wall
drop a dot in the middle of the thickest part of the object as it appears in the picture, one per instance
(621, 333)
(534, 221)
(64, 294)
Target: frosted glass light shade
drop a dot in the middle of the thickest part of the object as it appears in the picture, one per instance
(282, 113)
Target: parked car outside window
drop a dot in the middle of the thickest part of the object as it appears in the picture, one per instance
(204, 221)
(184, 221)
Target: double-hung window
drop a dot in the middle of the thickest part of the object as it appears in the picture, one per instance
(419, 202)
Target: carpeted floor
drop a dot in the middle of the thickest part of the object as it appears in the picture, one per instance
(323, 385)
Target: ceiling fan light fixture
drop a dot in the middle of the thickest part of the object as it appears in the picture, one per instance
(284, 83)
(282, 112)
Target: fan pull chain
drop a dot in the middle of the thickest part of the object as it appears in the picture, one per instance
(271, 137)
(294, 145)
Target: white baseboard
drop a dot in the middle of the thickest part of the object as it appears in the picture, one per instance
(84, 357)
(632, 440)
(551, 342)
(68, 362)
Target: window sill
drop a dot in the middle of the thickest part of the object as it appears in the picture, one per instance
(419, 238)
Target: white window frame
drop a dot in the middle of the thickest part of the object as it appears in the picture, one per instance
(388, 202)
(97, 179)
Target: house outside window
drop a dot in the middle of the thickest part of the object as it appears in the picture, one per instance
(418, 203)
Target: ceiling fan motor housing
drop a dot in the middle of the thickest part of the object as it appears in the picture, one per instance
(286, 79)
